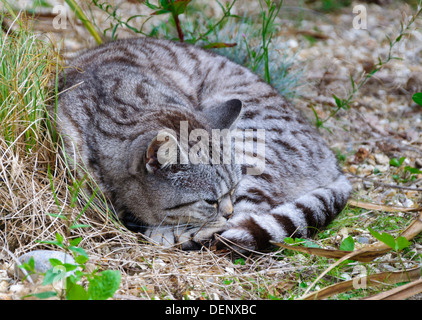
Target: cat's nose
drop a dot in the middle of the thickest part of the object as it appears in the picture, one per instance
(226, 207)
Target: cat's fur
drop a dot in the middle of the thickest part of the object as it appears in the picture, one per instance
(119, 96)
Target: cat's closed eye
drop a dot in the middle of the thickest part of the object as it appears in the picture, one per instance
(211, 202)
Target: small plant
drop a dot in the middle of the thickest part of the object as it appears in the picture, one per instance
(102, 285)
(268, 13)
(344, 103)
(403, 174)
(396, 244)
(175, 8)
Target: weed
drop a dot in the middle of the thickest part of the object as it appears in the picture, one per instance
(403, 174)
(102, 285)
(344, 103)
(397, 244)
(24, 76)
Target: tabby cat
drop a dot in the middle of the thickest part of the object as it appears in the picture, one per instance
(150, 120)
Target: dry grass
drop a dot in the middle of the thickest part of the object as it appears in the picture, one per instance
(35, 187)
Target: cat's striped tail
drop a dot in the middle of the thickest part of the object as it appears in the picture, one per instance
(299, 218)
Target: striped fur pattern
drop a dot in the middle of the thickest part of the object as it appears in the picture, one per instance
(116, 99)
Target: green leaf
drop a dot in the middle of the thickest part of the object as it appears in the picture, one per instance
(59, 238)
(412, 170)
(417, 97)
(150, 5)
(75, 242)
(81, 259)
(402, 243)
(45, 294)
(61, 216)
(104, 285)
(348, 244)
(386, 238)
(79, 251)
(179, 6)
(53, 275)
(310, 244)
(76, 292)
(339, 102)
(55, 262)
(75, 226)
(289, 240)
(159, 12)
(69, 266)
(397, 163)
(52, 242)
(394, 162)
(299, 241)
(29, 266)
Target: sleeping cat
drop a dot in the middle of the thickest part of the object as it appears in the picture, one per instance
(186, 144)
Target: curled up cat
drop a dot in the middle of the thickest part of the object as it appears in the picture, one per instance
(189, 147)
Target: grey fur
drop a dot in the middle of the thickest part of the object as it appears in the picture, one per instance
(125, 92)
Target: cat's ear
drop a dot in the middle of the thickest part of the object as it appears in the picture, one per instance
(160, 152)
(225, 115)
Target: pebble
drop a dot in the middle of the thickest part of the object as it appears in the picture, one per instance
(363, 240)
(4, 296)
(41, 258)
(381, 158)
(4, 285)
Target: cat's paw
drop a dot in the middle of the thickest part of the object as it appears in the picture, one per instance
(237, 239)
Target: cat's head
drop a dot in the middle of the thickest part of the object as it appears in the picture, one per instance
(186, 173)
